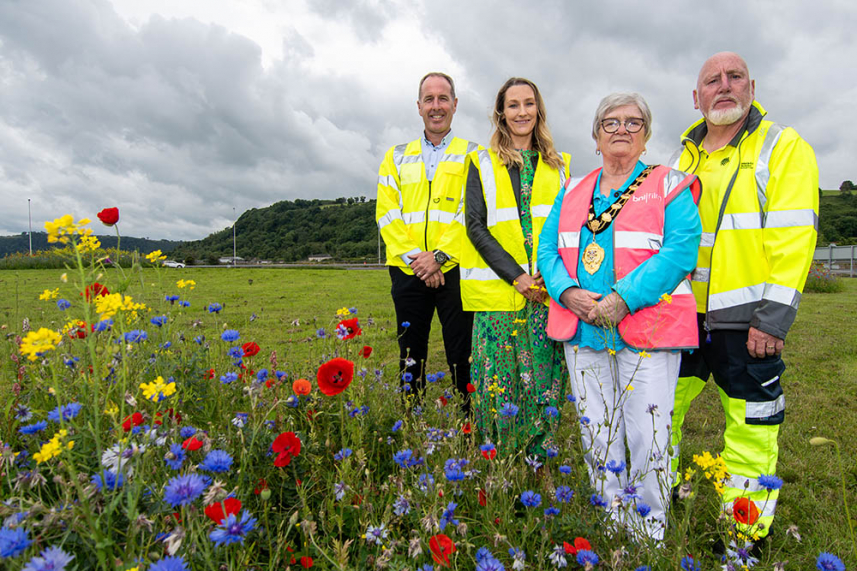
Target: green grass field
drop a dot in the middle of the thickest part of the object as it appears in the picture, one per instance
(282, 308)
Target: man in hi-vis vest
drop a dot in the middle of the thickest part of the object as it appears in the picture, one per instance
(759, 211)
(420, 216)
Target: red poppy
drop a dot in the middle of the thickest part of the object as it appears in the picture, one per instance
(135, 419)
(261, 485)
(443, 400)
(286, 446)
(306, 562)
(250, 348)
(351, 328)
(310, 414)
(209, 374)
(466, 429)
(221, 510)
(302, 387)
(489, 454)
(366, 351)
(744, 511)
(270, 382)
(95, 289)
(335, 376)
(78, 331)
(192, 443)
(174, 416)
(109, 216)
(483, 498)
(441, 548)
(579, 545)
(471, 388)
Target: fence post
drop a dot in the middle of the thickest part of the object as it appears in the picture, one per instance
(852, 260)
(830, 258)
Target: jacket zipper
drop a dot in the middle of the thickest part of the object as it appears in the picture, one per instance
(428, 205)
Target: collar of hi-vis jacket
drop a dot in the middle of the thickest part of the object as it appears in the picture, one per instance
(698, 130)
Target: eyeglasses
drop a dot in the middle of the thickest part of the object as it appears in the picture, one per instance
(632, 125)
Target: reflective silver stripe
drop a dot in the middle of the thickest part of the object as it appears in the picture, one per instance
(388, 180)
(404, 257)
(569, 240)
(763, 172)
(765, 409)
(742, 483)
(683, 288)
(791, 218)
(782, 294)
(391, 216)
(414, 217)
(735, 297)
(506, 214)
(541, 210)
(675, 160)
(485, 274)
(701, 274)
(766, 507)
(707, 240)
(562, 176)
(741, 221)
(573, 182)
(441, 216)
(489, 187)
(399, 154)
(450, 158)
(411, 159)
(672, 180)
(471, 147)
(638, 240)
(459, 216)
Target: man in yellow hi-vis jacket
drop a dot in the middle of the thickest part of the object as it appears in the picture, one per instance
(759, 211)
(420, 216)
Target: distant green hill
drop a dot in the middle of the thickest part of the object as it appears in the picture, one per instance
(20, 243)
(292, 231)
(837, 218)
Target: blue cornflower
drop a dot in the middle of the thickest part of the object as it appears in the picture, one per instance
(616, 467)
(70, 362)
(169, 564)
(262, 375)
(406, 324)
(552, 452)
(159, 320)
(13, 541)
(564, 494)
(401, 506)
(483, 553)
(571, 398)
(584, 420)
(63, 304)
(518, 557)
(67, 412)
(199, 339)
(551, 412)
(216, 461)
(214, 308)
(230, 335)
(643, 568)
(531, 499)
(22, 413)
(597, 500)
(107, 479)
(454, 474)
(425, 482)
(50, 559)
(184, 303)
(770, 482)
(175, 457)
(235, 352)
(228, 378)
(565, 469)
(508, 410)
(352, 310)
(403, 457)
(643, 509)
(630, 493)
(490, 564)
(321, 333)
(688, 563)
(586, 557)
(829, 562)
(448, 516)
(407, 377)
(187, 431)
(171, 298)
(33, 428)
(183, 490)
(396, 426)
(551, 511)
(136, 336)
(103, 325)
(166, 345)
(339, 490)
(376, 534)
(431, 377)
(342, 454)
(233, 530)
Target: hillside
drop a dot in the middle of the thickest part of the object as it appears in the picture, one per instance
(837, 218)
(20, 243)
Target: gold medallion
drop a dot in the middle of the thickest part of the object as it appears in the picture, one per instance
(593, 255)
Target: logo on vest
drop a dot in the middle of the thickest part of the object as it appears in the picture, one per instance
(746, 165)
(646, 197)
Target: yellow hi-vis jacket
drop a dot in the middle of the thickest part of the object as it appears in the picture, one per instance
(758, 241)
(415, 215)
(481, 288)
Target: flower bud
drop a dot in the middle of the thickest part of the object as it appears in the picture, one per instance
(820, 441)
(265, 494)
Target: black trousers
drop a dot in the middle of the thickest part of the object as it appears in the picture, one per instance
(415, 304)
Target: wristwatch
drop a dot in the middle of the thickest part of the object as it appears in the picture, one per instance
(440, 257)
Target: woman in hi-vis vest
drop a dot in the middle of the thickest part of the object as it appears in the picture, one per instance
(518, 373)
(615, 254)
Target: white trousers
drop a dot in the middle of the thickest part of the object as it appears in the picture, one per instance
(622, 398)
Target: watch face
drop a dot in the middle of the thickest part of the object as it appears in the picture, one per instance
(440, 257)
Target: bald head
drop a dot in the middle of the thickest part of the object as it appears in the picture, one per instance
(724, 91)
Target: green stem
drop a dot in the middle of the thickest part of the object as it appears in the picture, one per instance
(845, 497)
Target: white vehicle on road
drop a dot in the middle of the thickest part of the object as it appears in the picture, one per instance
(173, 264)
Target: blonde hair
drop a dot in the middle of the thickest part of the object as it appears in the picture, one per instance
(501, 139)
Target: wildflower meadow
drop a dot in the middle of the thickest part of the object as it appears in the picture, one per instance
(169, 419)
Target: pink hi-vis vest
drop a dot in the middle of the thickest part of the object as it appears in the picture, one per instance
(638, 233)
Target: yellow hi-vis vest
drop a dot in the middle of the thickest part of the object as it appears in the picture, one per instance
(415, 215)
(759, 238)
(481, 288)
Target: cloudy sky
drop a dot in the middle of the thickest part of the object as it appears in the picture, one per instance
(179, 111)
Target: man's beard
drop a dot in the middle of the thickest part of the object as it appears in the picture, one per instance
(726, 116)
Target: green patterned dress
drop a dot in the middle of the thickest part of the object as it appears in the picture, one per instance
(515, 362)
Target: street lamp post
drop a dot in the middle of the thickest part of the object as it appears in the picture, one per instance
(30, 216)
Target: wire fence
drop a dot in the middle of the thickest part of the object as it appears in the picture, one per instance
(837, 259)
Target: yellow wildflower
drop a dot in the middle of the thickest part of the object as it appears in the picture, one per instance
(344, 312)
(52, 447)
(157, 389)
(186, 284)
(515, 333)
(88, 244)
(111, 409)
(61, 228)
(611, 351)
(667, 298)
(519, 320)
(109, 305)
(37, 342)
(644, 355)
(629, 388)
(155, 256)
(48, 294)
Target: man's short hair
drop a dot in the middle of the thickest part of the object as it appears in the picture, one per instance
(436, 74)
